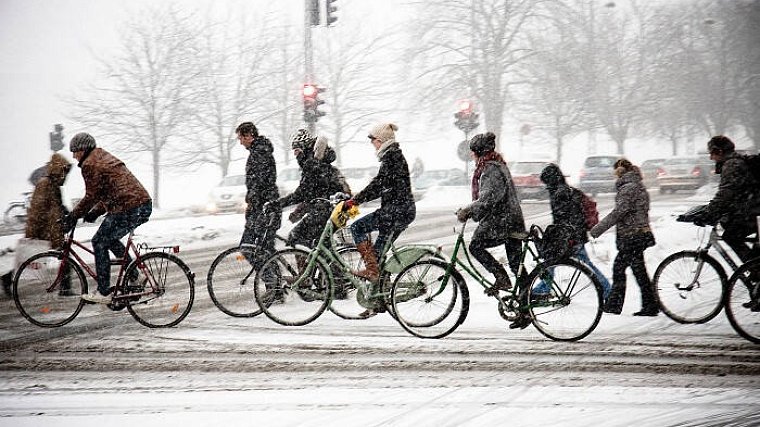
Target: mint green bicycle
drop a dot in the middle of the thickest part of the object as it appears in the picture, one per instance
(569, 311)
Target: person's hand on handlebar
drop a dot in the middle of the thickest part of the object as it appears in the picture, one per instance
(348, 204)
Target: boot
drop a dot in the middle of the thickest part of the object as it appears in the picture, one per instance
(371, 270)
(649, 306)
(6, 279)
(502, 283)
(614, 303)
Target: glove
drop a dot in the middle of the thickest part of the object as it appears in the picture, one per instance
(68, 222)
(348, 204)
(463, 214)
(90, 216)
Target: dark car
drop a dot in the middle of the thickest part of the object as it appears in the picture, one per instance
(685, 173)
(649, 171)
(598, 175)
(526, 177)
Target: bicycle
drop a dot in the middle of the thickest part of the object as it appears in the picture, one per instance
(17, 210)
(156, 287)
(569, 281)
(742, 300)
(295, 285)
(691, 284)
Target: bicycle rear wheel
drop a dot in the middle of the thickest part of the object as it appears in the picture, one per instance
(45, 293)
(230, 281)
(572, 308)
(425, 305)
(289, 291)
(743, 302)
(164, 291)
(690, 287)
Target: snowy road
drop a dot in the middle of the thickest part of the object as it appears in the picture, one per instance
(213, 369)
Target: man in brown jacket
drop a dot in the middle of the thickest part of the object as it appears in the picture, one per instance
(110, 188)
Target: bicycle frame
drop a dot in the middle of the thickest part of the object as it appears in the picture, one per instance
(714, 240)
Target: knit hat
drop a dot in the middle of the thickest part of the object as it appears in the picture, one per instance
(302, 140)
(722, 143)
(82, 141)
(483, 143)
(384, 132)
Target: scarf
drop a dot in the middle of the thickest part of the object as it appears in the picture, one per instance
(480, 167)
(385, 146)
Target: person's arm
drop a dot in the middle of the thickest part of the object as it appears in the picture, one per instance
(374, 189)
(731, 188)
(623, 204)
(492, 191)
(91, 182)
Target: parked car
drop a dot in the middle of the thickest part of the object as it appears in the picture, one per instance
(685, 173)
(649, 171)
(597, 175)
(526, 177)
(228, 196)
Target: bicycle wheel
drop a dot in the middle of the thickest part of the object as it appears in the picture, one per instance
(165, 290)
(45, 294)
(230, 281)
(572, 307)
(690, 287)
(425, 305)
(289, 291)
(15, 214)
(743, 302)
(344, 301)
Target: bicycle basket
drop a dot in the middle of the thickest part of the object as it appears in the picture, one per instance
(555, 243)
(343, 237)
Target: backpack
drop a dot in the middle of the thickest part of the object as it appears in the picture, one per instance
(556, 242)
(590, 213)
(753, 164)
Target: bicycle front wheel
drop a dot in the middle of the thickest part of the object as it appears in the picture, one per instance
(344, 302)
(289, 291)
(690, 286)
(164, 291)
(230, 281)
(427, 302)
(743, 302)
(48, 292)
(572, 307)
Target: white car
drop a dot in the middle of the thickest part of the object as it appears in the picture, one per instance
(228, 196)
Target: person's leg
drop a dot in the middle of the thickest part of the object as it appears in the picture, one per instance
(478, 248)
(105, 239)
(361, 230)
(582, 256)
(649, 306)
(735, 237)
(614, 303)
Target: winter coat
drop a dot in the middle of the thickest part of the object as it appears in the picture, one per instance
(497, 209)
(393, 185)
(737, 200)
(109, 185)
(567, 208)
(631, 212)
(319, 179)
(260, 176)
(46, 208)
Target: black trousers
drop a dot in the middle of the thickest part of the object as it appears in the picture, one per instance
(478, 249)
(631, 254)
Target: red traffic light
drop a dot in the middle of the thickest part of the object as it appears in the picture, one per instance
(310, 90)
(465, 106)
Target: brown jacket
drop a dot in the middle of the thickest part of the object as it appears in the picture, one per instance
(109, 185)
(46, 208)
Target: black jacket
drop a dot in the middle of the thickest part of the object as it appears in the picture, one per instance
(260, 175)
(318, 179)
(737, 200)
(394, 188)
(565, 202)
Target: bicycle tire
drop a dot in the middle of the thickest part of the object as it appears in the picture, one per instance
(230, 282)
(280, 300)
(699, 303)
(423, 308)
(168, 286)
(15, 214)
(344, 302)
(743, 302)
(572, 308)
(37, 290)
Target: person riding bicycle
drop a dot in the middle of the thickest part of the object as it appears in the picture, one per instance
(261, 183)
(736, 204)
(319, 179)
(633, 236)
(497, 210)
(397, 207)
(111, 189)
(567, 209)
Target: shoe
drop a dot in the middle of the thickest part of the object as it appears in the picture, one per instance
(97, 298)
(522, 322)
(273, 297)
(366, 314)
(7, 284)
(647, 312)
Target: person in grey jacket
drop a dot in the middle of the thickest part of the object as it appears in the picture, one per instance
(496, 208)
(631, 219)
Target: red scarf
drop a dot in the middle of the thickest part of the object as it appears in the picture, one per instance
(480, 167)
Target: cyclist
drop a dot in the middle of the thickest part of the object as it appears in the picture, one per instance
(633, 236)
(736, 204)
(319, 179)
(565, 202)
(496, 208)
(397, 209)
(110, 188)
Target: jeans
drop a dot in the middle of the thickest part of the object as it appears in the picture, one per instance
(579, 251)
(114, 227)
(362, 227)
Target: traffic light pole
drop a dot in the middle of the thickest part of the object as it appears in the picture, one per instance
(309, 6)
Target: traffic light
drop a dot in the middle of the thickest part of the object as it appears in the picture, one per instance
(56, 138)
(466, 118)
(311, 103)
(330, 12)
(313, 12)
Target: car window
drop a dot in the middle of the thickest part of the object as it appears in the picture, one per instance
(600, 162)
(524, 168)
(232, 181)
(681, 161)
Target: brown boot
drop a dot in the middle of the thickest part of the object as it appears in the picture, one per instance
(371, 270)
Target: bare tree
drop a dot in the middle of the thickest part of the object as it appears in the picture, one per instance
(142, 104)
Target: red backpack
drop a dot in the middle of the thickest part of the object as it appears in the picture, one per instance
(590, 213)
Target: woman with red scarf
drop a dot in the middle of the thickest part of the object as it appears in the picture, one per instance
(495, 207)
